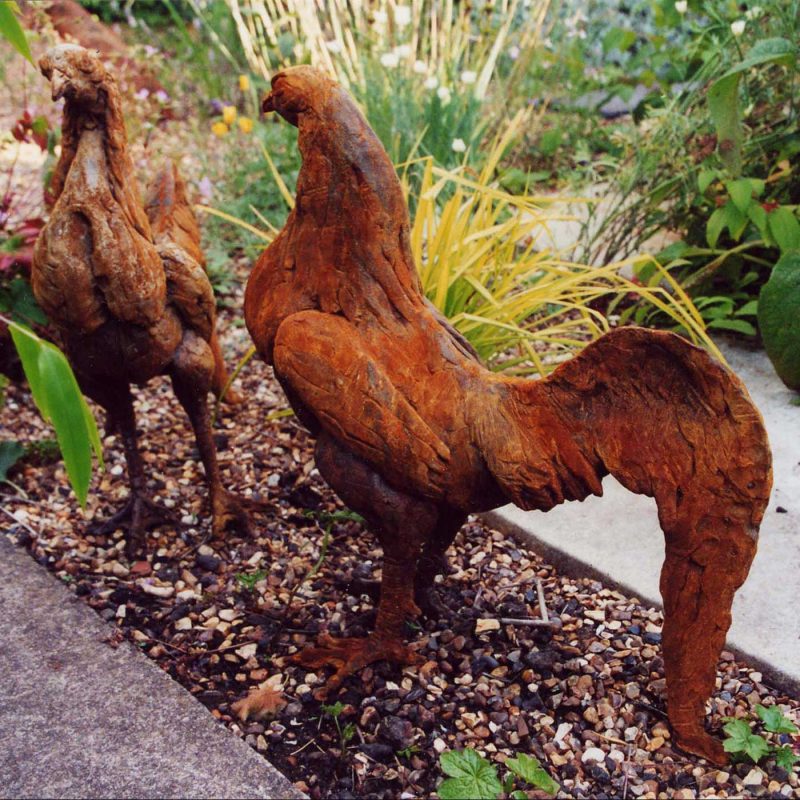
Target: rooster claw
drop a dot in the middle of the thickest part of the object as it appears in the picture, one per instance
(351, 655)
(137, 516)
(228, 515)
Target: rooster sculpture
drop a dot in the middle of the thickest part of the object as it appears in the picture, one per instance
(128, 306)
(414, 433)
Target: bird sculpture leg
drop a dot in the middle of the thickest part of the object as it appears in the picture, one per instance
(140, 512)
(401, 523)
(698, 580)
(432, 562)
(192, 372)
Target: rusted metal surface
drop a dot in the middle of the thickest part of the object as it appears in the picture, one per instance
(414, 433)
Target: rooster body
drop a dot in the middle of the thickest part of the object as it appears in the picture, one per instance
(414, 433)
(128, 307)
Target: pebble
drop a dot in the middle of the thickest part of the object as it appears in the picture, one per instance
(158, 591)
(593, 754)
(247, 651)
(484, 625)
(753, 778)
(183, 624)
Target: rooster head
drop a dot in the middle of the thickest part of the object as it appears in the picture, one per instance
(296, 90)
(76, 74)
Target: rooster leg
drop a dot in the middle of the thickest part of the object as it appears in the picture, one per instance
(433, 562)
(401, 524)
(140, 512)
(192, 371)
(220, 380)
(698, 582)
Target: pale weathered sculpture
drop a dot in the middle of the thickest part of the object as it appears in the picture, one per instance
(128, 306)
(414, 433)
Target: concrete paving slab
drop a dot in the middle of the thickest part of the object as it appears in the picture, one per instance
(81, 719)
(616, 538)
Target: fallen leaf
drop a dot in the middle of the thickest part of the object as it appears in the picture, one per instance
(260, 704)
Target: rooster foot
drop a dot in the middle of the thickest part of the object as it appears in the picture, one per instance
(351, 655)
(137, 516)
(228, 515)
(430, 604)
(700, 743)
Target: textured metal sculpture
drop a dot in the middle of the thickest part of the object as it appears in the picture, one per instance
(414, 433)
(128, 306)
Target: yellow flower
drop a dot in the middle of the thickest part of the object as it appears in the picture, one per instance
(229, 115)
(219, 129)
(245, 124)
(244, 82)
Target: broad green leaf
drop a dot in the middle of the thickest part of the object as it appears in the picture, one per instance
(728, 217)
(785, 757)
(785, 228)
(774, 721)
(742, 191)
(757, 215)
(471, 776)
(60, 402)
(779, 321)
(742, 741)
(12, 30)
(10, 453)
(68, 419)
(705, 178)
(530, 770)
(723, 96)
(748, 309)
(738, 325)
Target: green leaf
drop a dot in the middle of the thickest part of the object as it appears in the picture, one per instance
(518, 794)
(757, 215)
(785, 757)
(12, 30)
(738, 325)
(779, 321)
(472, 777)
(742, 191)
(60, 402)
(530, 770)
(742, 741)
(785, 228)
(728, 217)
(705, 178)
(774, 721)
(10, 453)
(749, 309)
(723, 96)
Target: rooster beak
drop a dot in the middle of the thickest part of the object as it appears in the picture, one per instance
(59, 85)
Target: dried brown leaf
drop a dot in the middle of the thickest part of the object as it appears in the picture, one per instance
(260, 704)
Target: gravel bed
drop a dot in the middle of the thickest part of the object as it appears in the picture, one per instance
(221, 617)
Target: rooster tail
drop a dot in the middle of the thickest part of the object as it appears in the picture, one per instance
(668, 421)
(170, 213)
(172, 220)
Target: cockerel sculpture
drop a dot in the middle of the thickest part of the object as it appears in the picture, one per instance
(128, 306)
(414, 433)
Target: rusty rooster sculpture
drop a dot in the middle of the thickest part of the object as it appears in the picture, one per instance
(128, 306)
(414, 433)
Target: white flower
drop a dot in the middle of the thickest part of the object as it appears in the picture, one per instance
(380, 17)
(334, 46)
(403, 50)
(431, 83)
(443, 93)
(681, 6)
(420, 67)
(737, 28)
(753, 13)
(468, 76)
(513, 52)
(389, 60)
(458, 146)
(402, 16)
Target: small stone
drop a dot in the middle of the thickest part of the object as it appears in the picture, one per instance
(632, 691)
(753, 778)
(141, 568)
(595, 614)
(563, 729)
(593, 754)
(208, 561)
(247, 651)
(120, 570)
(187, 594)
(228, 614)
(484, 625)
(631, 734)
(656, 743)
(158, 591)
(439, 745)
(117, 470)
(183, 624)
(756, 677)
(273, 480)
(122, 612)
(722, 777)
(591, 716)
(187, 519)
